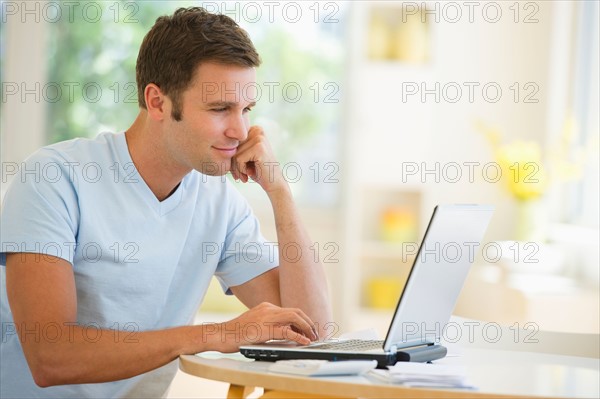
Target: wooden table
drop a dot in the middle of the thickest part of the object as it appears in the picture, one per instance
(496, 374)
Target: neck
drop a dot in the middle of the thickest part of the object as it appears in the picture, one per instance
(160, 171)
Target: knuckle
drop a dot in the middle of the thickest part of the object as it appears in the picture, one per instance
(258, 130)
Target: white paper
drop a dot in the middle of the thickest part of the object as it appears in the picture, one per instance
(311, 367)
(425, 375)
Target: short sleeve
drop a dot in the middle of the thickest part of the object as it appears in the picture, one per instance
(40, 212)
(246, 253)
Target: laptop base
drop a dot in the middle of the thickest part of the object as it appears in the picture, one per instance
(422, 353)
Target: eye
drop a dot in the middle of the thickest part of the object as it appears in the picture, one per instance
(247, 109)
(219, 109)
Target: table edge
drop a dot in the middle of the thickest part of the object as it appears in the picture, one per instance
(196, 366)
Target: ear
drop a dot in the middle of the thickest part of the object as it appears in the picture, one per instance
(158, 104)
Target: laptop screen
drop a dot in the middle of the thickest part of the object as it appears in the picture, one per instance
(448, 249)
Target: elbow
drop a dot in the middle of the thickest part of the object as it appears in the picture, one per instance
(46, 372)
(41, 379)
(42, 376)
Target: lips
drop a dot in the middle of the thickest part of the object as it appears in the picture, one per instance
(230, 151)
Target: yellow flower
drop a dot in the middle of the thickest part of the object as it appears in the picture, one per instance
(526, 173)
(522, 170)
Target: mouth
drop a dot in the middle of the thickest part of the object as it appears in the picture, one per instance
(228, 151)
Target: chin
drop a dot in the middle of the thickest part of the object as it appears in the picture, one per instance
(214, 168)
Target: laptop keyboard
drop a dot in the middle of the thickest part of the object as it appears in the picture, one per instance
(351, 345)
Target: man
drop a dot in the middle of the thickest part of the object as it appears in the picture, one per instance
(107, 251)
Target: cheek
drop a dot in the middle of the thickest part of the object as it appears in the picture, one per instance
(211, 123)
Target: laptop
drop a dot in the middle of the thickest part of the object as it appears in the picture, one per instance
(437, 275)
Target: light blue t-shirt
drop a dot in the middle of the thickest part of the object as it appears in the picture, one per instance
(139, 264)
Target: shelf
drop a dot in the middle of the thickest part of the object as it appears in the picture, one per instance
(386, 213)
(383, 224)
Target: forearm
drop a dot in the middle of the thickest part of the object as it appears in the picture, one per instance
(302, 282)
(87, 355)
(302, 279)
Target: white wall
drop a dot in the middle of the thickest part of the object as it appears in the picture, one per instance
(388, 129)
(23, 115)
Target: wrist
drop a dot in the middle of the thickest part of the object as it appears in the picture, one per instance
(204, 337)
(219, 338)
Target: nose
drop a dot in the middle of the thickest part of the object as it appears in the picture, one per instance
(237, 127)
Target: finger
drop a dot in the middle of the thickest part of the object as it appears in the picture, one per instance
(309, 321)
(233, 170)
(249, 143)
(245, 163)
(236, 172)
(252, 133)
(300, 321)
(314, 336)
(255, 131)
(287, 332)
(251, 169)
(244, 159)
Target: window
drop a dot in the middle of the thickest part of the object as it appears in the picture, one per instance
(91, 67)
(583, 196)
(586, 103)
(301, 79)
(91, 79)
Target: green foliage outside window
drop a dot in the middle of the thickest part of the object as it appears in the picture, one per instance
(93, 64)
(91, 72)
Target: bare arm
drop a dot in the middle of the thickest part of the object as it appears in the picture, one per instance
(300, 280)
(42, 296)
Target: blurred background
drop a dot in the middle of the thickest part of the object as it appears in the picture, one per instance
(377, 112)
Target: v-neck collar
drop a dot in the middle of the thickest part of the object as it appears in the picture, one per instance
(161, 207)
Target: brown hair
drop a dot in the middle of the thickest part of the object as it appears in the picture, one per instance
(175, 46)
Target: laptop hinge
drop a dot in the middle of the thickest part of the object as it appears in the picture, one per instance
(424, 353)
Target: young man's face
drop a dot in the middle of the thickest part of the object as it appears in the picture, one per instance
(214, 120)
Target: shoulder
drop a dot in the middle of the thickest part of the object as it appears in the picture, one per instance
(58, 167)
(85, 149)
(70, 152)
(71, 160)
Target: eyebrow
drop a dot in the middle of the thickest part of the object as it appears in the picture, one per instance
(225, 104)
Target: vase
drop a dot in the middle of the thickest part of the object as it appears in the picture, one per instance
(532, 221)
